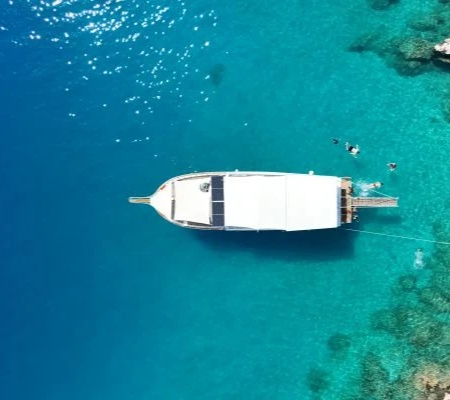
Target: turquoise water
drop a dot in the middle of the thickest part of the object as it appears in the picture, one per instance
(101, 299)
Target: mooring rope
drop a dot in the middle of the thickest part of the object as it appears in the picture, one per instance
(382, 194)
(397, 236)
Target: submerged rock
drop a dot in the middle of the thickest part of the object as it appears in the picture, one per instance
(443, 47)
(442, 51)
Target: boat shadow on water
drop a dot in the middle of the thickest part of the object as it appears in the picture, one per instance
(383, 217)
(315, 245)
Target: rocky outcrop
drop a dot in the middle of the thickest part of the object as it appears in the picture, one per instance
(442, 51)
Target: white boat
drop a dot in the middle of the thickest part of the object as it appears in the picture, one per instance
(259, 201)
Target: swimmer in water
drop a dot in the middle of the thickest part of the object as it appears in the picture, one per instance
(392, 166)
(375, 185)
(335, 140)
(418, 261)
(353, 150)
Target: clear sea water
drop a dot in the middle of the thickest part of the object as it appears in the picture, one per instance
(102, 100)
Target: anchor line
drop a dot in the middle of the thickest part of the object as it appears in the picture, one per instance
(396, 236)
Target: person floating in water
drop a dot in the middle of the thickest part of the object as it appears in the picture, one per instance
(418, 260)
(353, 150)
(374, 185)
(335, 140)
(392, 166)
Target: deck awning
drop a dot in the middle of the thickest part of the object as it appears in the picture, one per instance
(191, 203)
(286, 202)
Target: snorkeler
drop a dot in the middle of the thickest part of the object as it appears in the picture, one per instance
(335, 140)
(375, 185)
(418, 260)
(353, 150)
(392, 166)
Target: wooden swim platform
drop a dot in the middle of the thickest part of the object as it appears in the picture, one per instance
(362, 202)
(349, 205)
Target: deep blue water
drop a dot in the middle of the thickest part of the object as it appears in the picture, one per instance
(100, 101)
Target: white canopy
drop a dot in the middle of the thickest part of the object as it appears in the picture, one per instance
(287, 202)
(192, 204)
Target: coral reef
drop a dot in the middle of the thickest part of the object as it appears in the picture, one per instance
(422, 46)
(406, 283)
(431, 381)
(317, 380)
(427, 22)
(339, 344)
(435, 298)
(374, 377)
(415, 49)
(408, 56)
(415, 325)
(415, 364)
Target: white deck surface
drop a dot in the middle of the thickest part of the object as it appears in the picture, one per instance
(162, 201)
(191, 204)
(286, 202)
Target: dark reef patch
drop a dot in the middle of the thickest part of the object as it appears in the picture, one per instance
(374, 377)
(365, 42)
(339, 344)
(317, 380)
(407, 283)
(216, 74)
(381, 4)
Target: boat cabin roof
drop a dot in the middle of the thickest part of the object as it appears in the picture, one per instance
(286, 202)
(259, 201)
